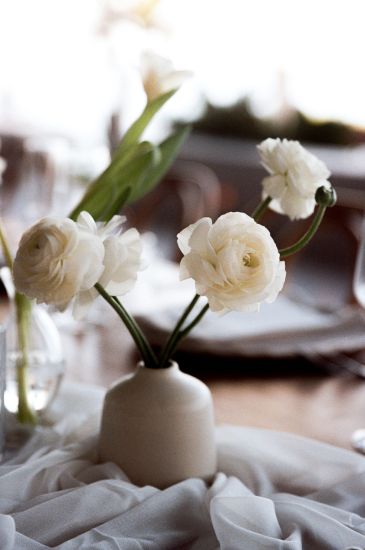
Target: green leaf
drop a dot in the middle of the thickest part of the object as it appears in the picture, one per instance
(106, 195)
(103, 207)
(129, 177)
(168, 151)
(119, 162)
(138, 127)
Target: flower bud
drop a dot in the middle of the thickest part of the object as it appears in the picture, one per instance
(326, 196)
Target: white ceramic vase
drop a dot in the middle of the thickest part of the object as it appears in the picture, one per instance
(158, 426)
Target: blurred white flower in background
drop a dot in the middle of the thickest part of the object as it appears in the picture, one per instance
(140, 12)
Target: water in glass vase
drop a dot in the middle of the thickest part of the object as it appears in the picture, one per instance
(45, 361)
(43, 379)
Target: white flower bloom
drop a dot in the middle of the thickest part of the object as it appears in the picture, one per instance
(159, 76)
(86, 221)
(122, 259)
(295, 176)
(234, 262)
(59, 260)
(122, 262)
(56, 260)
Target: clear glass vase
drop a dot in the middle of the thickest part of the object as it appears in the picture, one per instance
(45, 361)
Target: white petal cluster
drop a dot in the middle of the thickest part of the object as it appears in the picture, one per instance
(234, 262)
(159, 76)
(59, 260)
(122, 259)
(295, 176)
(56, 260)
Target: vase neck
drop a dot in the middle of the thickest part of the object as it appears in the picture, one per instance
(172, 367)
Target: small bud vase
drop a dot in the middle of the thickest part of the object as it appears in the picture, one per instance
(46, 363)
(158, 426)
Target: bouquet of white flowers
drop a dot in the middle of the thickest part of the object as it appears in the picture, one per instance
(234, 261)
(158, 425)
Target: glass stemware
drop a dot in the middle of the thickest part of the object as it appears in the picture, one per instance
(358, 437)
(2, 389)
(359, 277)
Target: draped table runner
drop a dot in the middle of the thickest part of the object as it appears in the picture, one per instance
(273, 491)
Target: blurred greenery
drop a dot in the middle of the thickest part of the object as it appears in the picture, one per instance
(238, 120)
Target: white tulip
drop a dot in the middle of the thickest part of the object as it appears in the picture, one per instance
(159, 76)
(56, 260)
(234, 262)
(295, 176)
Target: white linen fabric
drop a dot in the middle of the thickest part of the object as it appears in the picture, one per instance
(273, 491)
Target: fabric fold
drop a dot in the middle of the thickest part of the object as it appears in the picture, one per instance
(273, 491)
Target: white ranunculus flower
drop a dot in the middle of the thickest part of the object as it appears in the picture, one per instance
(295, 176)
(122, 258)
(159, 76)
(56, 260)
(234, 262)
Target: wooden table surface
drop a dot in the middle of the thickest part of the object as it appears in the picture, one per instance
(292, 396)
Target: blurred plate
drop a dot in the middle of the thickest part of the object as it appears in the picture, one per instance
(282, 329)
(287, 327)
(315, 314)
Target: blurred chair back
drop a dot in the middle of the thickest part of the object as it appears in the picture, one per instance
(27, 187)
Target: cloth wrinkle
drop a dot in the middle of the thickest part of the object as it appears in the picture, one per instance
(273, 491)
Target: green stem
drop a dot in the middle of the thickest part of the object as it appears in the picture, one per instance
(5, 248)
(23, 308)
(308, 235)
(139, 331)
(183, 333)
(166, 352)
(260, 209)
(23, 314)
(147, 354)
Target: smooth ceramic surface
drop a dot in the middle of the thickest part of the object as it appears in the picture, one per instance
(158, 426)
